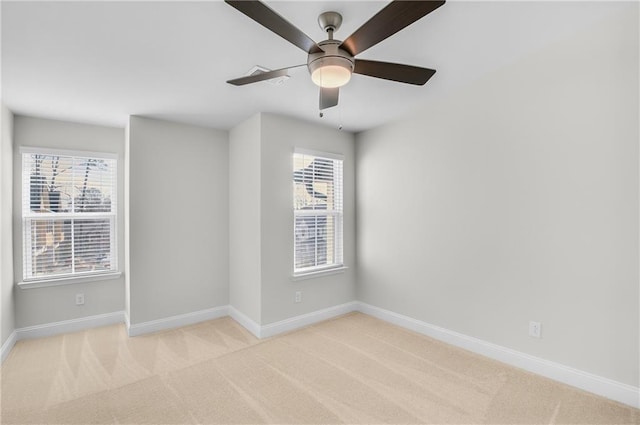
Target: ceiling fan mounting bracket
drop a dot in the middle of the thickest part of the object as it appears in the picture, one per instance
(330, 21)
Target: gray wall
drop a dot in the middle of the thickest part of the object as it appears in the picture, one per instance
(6, 232)
(179, 217)
(127, 227)
(279, 136)
(516, 199)
(261, 221)
(244, 218)
(51, 304)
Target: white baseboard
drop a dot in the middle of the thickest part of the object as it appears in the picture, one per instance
(599, 385)
(245, 321)
(127, 321)
(605, 387)
(72, 325)
(303, 320)
(8, 345)
(177, 321)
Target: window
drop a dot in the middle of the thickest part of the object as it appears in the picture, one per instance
(317, 206)
(68, 214)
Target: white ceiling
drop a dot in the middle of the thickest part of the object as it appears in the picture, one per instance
(99, 62)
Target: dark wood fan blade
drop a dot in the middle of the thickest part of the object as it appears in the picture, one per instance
(395, 16)
(262, 76)
(328, 97)
(394, 71)
(269, 19)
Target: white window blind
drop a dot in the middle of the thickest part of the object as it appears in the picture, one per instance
(318, 215)
(68, 214)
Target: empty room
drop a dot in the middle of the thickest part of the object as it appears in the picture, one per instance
(320, 212)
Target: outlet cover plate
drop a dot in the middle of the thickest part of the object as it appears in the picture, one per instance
(535, 329)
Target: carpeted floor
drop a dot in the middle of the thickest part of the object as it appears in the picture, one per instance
(352, 369)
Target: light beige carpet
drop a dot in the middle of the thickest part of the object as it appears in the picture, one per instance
(353, 369)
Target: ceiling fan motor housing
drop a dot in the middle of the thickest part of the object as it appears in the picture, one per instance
(332, 57)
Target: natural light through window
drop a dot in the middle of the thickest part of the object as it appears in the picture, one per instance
(68, 214)
(318, 216)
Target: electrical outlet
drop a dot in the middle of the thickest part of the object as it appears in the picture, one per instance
(298, 296)
(535, 329)
(79, 299)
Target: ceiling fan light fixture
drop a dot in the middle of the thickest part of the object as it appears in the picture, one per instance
(331, 72)
(331, 62)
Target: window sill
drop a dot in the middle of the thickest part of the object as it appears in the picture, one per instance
(318, 273)
(68, 280)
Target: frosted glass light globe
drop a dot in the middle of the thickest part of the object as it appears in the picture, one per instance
(331, 76)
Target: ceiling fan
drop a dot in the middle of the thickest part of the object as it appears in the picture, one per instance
(331, 62)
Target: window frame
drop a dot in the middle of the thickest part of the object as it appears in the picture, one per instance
(27, 217)
(338, 266)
